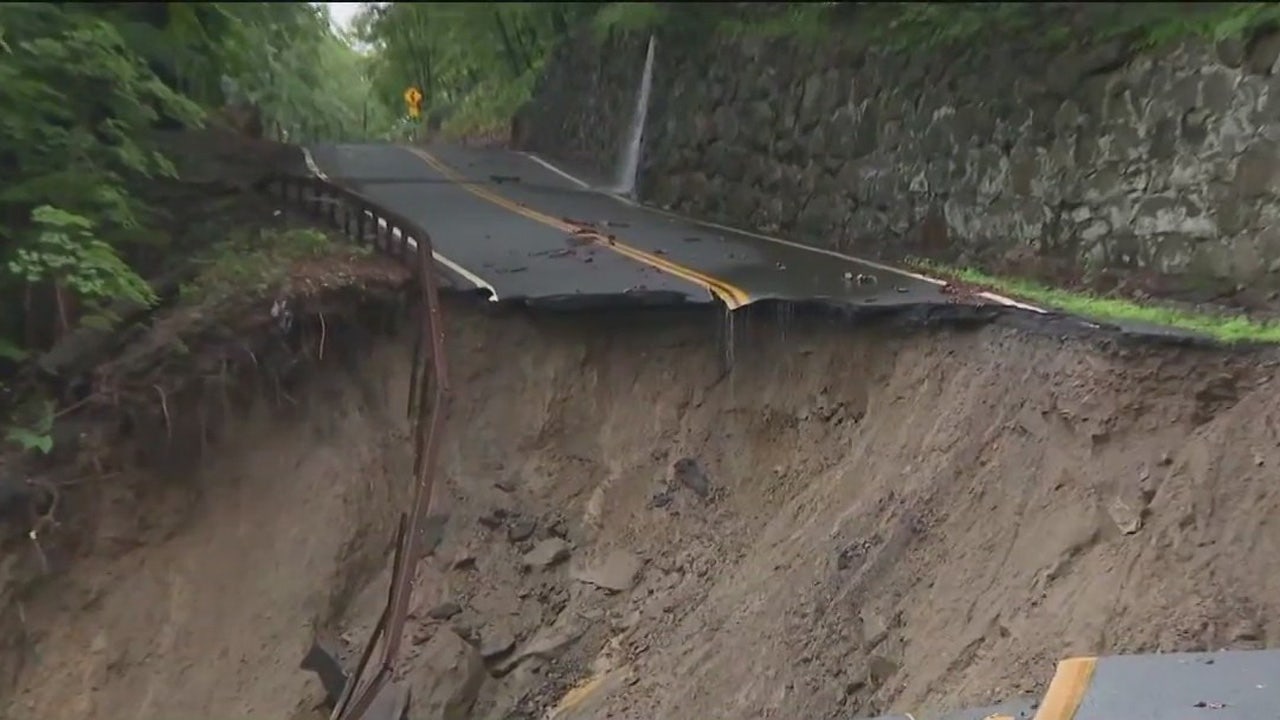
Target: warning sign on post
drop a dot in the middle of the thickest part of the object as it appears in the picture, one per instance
(413, 101)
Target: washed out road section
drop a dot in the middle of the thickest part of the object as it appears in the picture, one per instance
(522, 259)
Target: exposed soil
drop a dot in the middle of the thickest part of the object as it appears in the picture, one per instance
(854, 520)
(167, 554)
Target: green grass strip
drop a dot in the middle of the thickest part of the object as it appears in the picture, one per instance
(1226, 329)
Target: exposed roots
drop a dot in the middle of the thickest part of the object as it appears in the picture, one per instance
(43, 520)
(192, 383)
(164, 408)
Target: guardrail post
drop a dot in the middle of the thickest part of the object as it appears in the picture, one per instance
(430, 397)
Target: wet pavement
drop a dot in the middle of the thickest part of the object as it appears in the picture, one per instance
(530, 233)
(519, 230)
(519, 258)
(1225, 685)
(1232, 685)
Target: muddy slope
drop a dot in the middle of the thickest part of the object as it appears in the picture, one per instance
(851, 521)
(888, 521)
(198, 593)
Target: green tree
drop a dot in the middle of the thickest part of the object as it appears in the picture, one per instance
(86, 87)
(82, 102)
(475, 62)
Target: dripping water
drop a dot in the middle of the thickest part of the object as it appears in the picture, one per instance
(727, 340)
(784, 313)
(630, 161)
(728, 344)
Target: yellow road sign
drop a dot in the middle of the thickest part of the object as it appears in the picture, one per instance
(413, 97)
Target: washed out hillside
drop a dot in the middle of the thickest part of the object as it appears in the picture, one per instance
(572, 361)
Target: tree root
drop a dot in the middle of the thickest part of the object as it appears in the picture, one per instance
(320, 355)
(164, 408)
(45, 520)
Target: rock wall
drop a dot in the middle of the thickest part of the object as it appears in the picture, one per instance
(583, 105)
(1161, 169)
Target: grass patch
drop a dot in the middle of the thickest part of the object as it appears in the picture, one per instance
(487, 110)
(251, 263)
(1226, 329)
(629, 17)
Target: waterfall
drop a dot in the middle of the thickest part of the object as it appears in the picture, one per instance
(630, 165)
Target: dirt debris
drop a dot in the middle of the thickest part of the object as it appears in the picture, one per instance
(852, 468)
(615, 571)
(546, 553)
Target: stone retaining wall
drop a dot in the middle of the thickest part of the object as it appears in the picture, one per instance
(1160, 168)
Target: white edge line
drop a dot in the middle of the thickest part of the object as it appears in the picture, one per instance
(576, 181)
(455, 267)
(999, 299)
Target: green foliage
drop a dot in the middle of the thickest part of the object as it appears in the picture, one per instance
(82, 101)
(629, 17)
(933, 26)
(65, 250)
(923, 26)
(85, 87)
(250, 264)
(32, 427)
(803, 21)
(12, 352)
(1156, 24)
(930, 26)
(487, 109)
(474, 62)
(309, 83)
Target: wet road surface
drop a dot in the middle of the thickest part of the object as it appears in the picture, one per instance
(1224, 685)
(520, 229)
(532, 233)
(519, 258)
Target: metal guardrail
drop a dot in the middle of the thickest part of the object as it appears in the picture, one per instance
(366, 222)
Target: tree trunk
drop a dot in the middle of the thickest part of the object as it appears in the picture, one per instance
(509, 51)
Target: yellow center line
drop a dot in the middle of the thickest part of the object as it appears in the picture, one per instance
(731, 295)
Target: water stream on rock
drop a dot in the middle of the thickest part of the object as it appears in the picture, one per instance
(630, 165)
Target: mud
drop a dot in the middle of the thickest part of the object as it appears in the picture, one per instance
(854, 520)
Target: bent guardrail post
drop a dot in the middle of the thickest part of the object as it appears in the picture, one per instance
(430, 392)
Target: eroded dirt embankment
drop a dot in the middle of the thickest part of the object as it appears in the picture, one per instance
(853, 520)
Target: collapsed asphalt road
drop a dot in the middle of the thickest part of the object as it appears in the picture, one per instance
(519, 229)
(524, 231)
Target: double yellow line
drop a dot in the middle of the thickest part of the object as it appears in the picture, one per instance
(731, 295)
